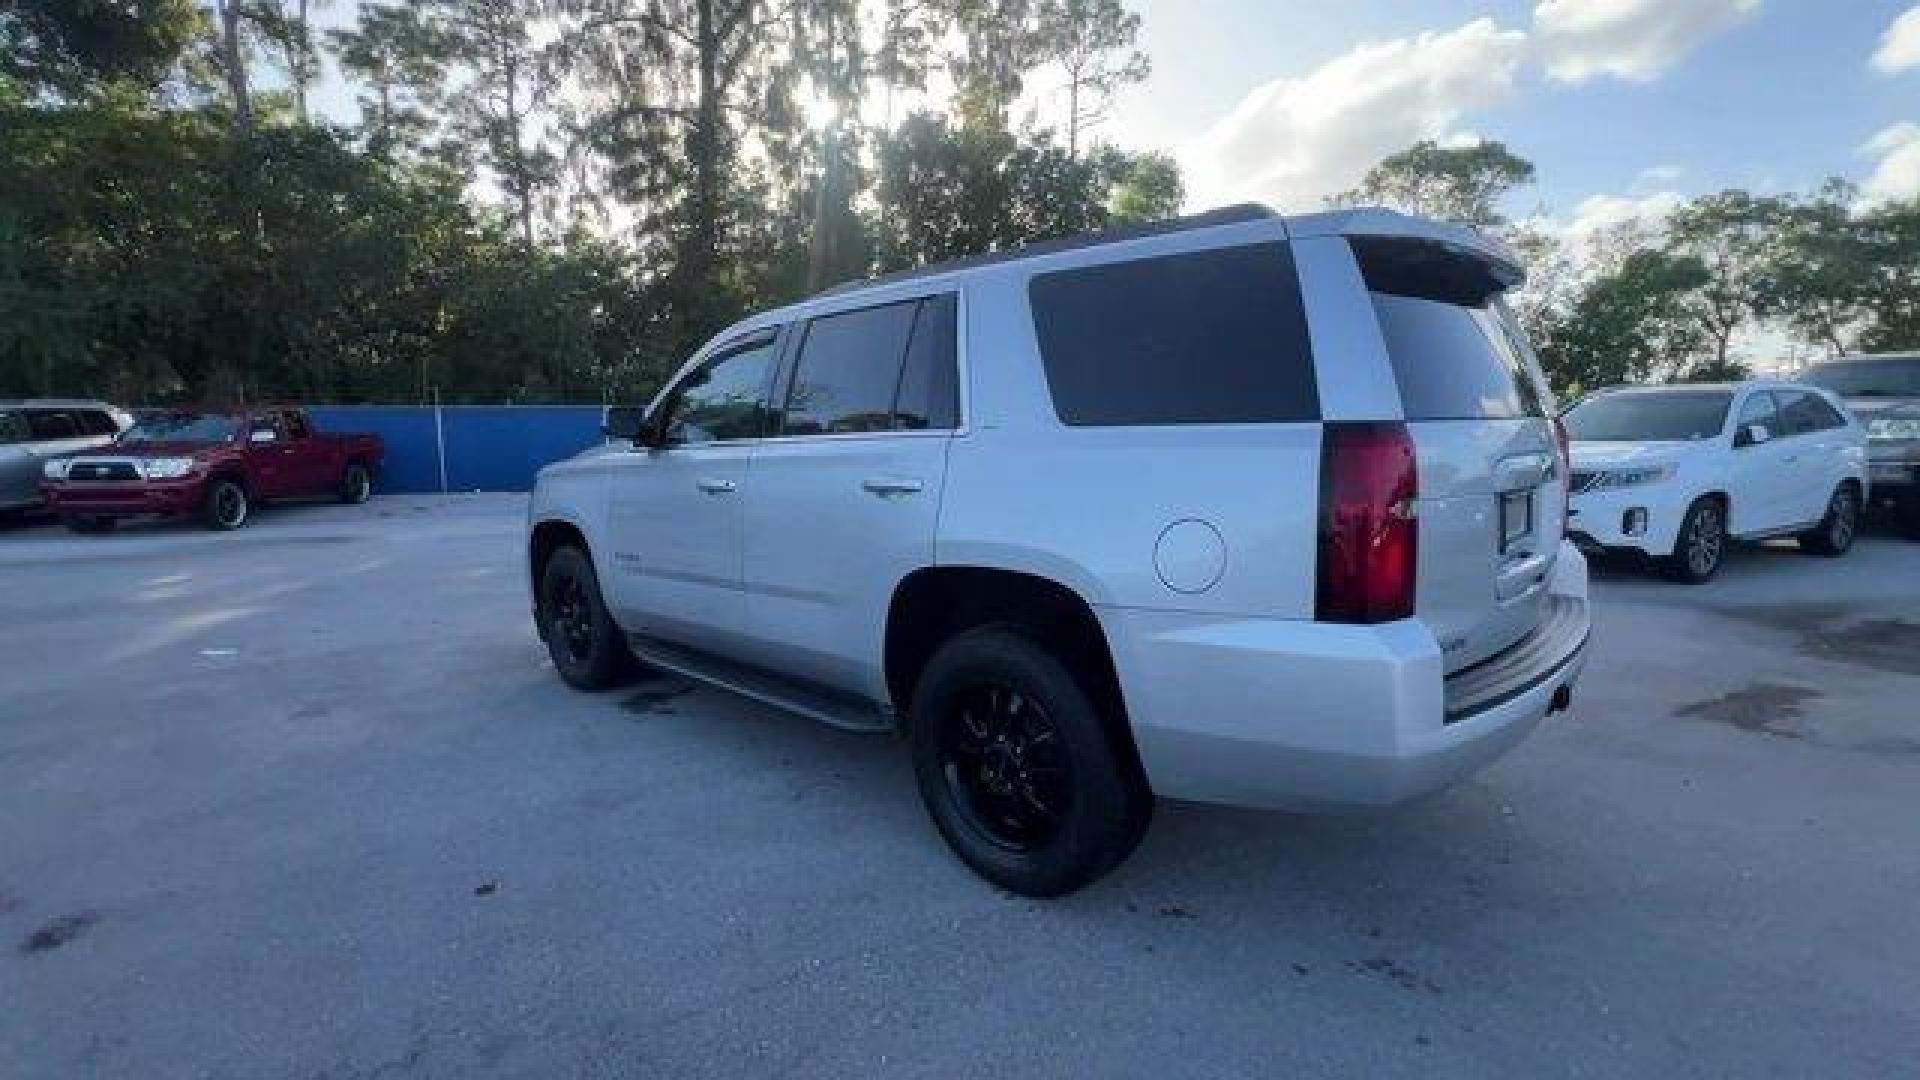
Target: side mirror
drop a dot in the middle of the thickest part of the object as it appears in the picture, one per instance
(623, 422)
(1752, 435)
(262, 435)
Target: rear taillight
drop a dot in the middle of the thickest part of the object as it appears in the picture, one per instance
(1369, 535)
(1566, 470)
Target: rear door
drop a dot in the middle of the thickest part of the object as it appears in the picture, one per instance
(846, 494)
(1492, 492)
(1817, 435)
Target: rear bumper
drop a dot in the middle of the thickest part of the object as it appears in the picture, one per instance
(127, 500)
(1312, 716)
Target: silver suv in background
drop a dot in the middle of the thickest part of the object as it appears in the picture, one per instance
(35, 430)
(1241, 509)
(1883, 390)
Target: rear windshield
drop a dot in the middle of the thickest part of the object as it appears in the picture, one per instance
(1675, 416)
(1457, 352)
(1892, 377)
(1205, 337)
(182, 427)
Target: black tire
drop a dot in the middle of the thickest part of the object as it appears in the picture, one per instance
(1835, 534)
(87, 523)
(588, 648)
(226, 506)
(1909, 520)
(1701, 546)
(356, 485)
(1017, 768)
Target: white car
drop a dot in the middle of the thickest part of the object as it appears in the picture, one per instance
(1239, 509)
(1678, 472)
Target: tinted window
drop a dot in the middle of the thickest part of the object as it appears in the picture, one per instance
(13, 428)
(723, 399)
(930, 384)
(1893, 376)
(52, 425)
(296, 426)
(1642, 416)
(849, 371)
(1210, 337)
(1452, 361)
(1760, 409)
(98, 423)
(1802, 412)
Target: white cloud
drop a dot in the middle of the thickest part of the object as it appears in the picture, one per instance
(1900, 45)
(1292, 142)
(1599, 215)
(1635, 40)
(1897, 175)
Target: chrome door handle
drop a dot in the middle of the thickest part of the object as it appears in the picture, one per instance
(891, 485)
(714, 487)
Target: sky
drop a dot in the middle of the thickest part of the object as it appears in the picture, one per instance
(1625, 106)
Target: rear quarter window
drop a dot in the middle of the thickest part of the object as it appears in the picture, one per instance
(1205, 337)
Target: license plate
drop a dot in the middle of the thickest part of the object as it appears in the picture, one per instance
(1516, 518)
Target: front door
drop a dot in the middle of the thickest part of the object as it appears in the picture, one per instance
(674, 509)
(846, 496)
(1762, 472)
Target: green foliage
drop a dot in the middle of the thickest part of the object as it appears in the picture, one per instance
(541, 201)
(1463, 184)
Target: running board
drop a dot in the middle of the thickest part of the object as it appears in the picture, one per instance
(843, 711)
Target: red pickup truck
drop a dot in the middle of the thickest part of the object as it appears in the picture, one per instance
(219, 465)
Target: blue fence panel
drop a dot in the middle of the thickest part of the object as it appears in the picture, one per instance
(500, 448)
(489, 448)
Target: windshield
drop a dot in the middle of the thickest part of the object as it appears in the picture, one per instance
(182, 427)
(1892, 377)
(1675, 416)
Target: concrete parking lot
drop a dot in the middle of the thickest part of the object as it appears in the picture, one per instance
(307, 801)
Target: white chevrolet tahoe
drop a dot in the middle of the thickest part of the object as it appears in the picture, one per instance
(1678, 472)
(1241, 509)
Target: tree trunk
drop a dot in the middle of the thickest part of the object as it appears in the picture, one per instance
(703, 151)
(236, 67)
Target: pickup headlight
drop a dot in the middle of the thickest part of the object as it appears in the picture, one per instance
(1893, 427)
(55, 469)
(166, 468)
(1625, 478)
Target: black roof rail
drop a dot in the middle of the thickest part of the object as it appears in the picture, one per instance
(1227, 215)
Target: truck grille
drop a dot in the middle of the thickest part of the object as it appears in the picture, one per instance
(103, 471)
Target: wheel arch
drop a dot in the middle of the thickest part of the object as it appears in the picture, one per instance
(933, 604)
(546, 537)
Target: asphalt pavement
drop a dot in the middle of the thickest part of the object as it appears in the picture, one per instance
(308, 801)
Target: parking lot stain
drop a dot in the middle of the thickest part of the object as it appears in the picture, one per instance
(57, 932)
(1388, 968)
(1763, 708)
(657, 698)
(1174, 911)
(1828, 632)
(487, 887)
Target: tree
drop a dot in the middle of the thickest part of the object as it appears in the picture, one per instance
(1891, 312)
(1820, 279)
(498, 104)
(1463, 184)
(1147, 188)
(1633, 324)
(69, 49)
(1735, 238)
(1092, 42)
(400, 57)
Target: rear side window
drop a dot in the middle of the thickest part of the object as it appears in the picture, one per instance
(848, 371)
(47, 424)
(1802, 412)
(98, 423)
(1206, 337)
(929, 395)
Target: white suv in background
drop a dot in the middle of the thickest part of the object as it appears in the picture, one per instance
(1678, 472)
(1239, 509)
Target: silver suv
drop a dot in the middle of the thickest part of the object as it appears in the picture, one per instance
(1241, 509)
(36, 430)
